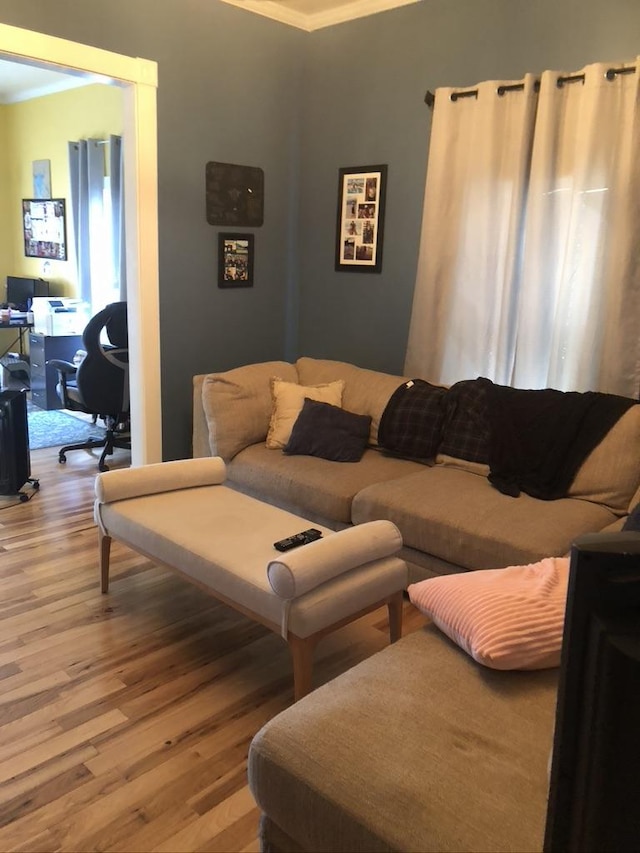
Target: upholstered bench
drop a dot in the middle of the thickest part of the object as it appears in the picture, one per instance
(181, 515)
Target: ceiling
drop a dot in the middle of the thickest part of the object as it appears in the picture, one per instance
(21, 82)
(313, 14)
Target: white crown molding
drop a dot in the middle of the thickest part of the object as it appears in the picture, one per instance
(309, 23)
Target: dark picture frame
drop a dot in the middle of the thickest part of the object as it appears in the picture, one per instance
(44, 224)
(235, 260)
(360, 222)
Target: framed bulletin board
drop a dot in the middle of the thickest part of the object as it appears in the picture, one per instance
(45, 228)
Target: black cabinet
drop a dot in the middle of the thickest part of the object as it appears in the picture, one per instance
(42, 348)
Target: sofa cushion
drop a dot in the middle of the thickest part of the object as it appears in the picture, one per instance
(479, 468)
(511, 618)
(329, 432)
(459, 517)
(366, 392)
(288, 400)
(416, 748)
(237, 405)
(315, 488)
(610, 474)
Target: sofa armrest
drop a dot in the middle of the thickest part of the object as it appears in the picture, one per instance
(305, 568)
(158, 477)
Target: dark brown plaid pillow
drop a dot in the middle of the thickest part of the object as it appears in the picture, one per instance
(411, 424)
(466, 430)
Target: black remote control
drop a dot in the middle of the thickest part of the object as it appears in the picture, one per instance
(298, 539)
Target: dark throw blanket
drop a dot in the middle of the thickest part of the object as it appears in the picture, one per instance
(539, 439)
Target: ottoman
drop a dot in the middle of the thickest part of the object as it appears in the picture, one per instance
(180, 514)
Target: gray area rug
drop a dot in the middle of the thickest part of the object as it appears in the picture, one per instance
(56, 428)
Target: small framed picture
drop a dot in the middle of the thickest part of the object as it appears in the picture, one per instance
(235, 260)
(359, 230)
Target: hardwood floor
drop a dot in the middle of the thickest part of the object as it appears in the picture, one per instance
(125, 719)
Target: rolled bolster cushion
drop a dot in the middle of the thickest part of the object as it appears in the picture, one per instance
(159, 477)
(302, 569)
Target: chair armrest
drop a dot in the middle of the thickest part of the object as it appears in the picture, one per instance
(158, 477)
(305, 568)
(65, 367)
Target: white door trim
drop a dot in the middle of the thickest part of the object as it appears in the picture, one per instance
(139, 79)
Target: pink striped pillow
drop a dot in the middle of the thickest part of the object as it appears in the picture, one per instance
(509, 618)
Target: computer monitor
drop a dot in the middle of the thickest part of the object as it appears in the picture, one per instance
(20, 291)
(595, 771)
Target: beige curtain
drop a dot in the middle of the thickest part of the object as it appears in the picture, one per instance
(528, 271)
(579, 305)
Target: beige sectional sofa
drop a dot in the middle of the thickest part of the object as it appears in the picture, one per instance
(450, 516)
(417, 748)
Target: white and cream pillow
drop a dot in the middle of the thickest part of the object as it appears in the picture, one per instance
(287, 402)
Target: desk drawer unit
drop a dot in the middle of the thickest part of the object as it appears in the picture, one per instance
(42, 349)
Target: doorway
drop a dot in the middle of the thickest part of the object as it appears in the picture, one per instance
(138, 78)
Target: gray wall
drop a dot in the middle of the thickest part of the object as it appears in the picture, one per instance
(236, 87)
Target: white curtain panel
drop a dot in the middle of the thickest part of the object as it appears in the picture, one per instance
(579, 312)
(86, 171)
(529, 269)
(464, 309)
(116, 186)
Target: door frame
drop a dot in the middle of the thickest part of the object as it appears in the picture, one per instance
(139, 81)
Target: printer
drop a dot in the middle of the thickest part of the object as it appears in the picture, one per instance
(59, 315)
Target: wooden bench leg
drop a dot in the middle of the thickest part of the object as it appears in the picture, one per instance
(105, 550)
(302, 655)
(394, 607)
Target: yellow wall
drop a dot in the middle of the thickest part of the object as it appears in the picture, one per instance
(40, 129)
(5, 237)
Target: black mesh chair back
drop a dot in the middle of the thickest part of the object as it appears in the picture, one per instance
(99, 386)
(102, 379)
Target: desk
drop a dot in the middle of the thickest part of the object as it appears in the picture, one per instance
(15, 368)
(20, 325)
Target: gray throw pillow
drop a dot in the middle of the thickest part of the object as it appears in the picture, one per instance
(328, 432)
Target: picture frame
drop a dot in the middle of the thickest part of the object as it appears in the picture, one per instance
(45, 228)
(41, 171)
(235, 260)
(360, 220)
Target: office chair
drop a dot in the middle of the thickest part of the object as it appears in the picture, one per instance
(99, 385)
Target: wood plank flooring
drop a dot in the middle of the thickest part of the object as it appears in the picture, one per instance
(125, 719)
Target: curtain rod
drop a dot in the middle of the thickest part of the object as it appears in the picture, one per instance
(610, 74)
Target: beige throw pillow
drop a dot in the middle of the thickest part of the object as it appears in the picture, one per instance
(288, 400)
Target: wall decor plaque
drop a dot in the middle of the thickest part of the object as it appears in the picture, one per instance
(235, 195)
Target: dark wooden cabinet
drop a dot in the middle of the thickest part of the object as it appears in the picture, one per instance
(42, 348)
